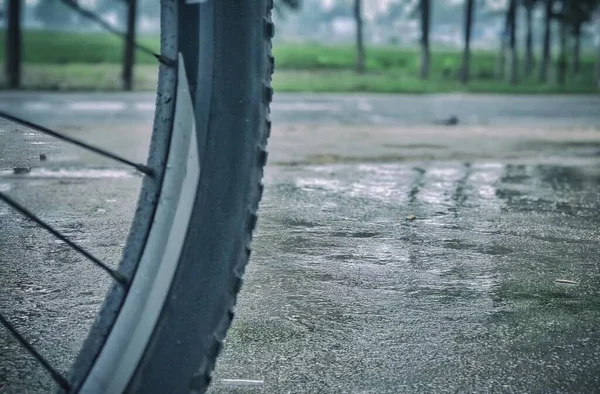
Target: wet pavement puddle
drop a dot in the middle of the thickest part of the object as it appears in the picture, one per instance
(495, 282)
(64, 173)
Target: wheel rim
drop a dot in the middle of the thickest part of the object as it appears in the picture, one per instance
(137, 317)
(147, 200)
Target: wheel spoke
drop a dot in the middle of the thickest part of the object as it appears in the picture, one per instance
(116, 275)
(140, 167)
(57, 376)
(92, 16)
(119, 277)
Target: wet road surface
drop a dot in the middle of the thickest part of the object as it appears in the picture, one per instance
(344, 293)
(364, 109)
(347, 295)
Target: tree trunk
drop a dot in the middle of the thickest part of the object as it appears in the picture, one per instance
(545, 63)
(129, 49)
(513, 64)
(360, 46)
(529, 41)
(598, 66)
(13, 44)
(577, 49)
(562, 57)
(425, 19)
(501, 66)
(464, 75)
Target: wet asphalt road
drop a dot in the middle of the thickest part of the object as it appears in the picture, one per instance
(344, 294)
(363, 109)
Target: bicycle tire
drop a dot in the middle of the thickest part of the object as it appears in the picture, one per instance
(215, 71)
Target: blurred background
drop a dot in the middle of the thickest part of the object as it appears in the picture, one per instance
(392, 46)
(406, 243)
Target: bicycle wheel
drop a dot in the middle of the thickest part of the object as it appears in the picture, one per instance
(189, 241)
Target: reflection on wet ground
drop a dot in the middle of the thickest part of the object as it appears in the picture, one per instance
(347, 295)
(492, 287)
